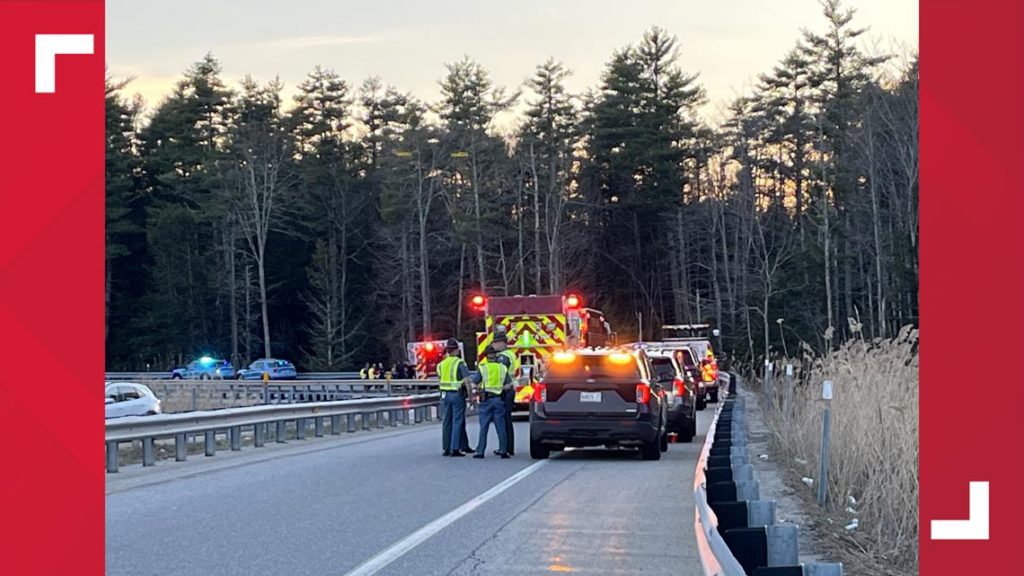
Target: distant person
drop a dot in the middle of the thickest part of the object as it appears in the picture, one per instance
(508, 395)
(364, 373)
(455, 386)
(371, 372)
(494, 378)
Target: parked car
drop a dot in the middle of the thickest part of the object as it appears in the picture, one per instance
(205, 368)
(129, 399)
(686, 357)
(598, 397)
(274, 368)
(680, 394)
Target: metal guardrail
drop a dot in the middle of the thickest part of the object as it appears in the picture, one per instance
(302, 376)
(714, 553)
(209, 423)
(736, 530)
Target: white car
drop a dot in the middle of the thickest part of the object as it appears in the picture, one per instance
(130, 399)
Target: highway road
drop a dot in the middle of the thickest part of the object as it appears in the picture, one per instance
(386, 502)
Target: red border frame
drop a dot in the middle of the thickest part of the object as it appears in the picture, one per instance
(972, 143)
(51, 294)
(51, 284)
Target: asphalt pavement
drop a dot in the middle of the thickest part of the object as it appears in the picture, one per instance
(387, 502)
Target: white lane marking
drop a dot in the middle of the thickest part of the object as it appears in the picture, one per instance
(398, 549)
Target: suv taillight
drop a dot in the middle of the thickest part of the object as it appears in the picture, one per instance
(680, 386)
(643, 393)
(540, 393)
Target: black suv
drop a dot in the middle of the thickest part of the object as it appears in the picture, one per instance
(598, 397)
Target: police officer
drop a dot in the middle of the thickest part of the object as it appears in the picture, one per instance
(494, 377)
(454, 382)
(508, 395)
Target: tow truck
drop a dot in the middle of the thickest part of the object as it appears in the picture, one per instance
(538, 326)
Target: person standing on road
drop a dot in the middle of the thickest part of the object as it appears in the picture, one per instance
(508, 395)
(364, 373)
(494, 377)
(454, 383)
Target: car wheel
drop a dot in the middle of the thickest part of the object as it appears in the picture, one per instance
(651, 450)
(539, 451)
(663, 443)
(689, 430)
(702, 403)
(239, 377)
(714, 396)
(204, 377)
(175, 376)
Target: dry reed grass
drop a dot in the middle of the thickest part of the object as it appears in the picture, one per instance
(874, 454)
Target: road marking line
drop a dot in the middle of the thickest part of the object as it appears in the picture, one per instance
(400, 548)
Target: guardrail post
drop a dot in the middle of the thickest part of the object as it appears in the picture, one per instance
(180, 447)
(259, 433)
(300, 428)
(393, 416)
(279, 437)
(351, 422)
(148, 453)
(365, 417)
(195, 393)
(236, 438)
(335, 425)
(112, 456)
(787, 393)
(211, 442)
(826, 426)
(418, 415)
(318, 427)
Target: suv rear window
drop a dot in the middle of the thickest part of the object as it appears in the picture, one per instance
(663, 366)
(594, 366)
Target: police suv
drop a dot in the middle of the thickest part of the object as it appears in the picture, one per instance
(599, 397)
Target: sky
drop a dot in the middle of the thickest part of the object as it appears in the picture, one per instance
(407, 42)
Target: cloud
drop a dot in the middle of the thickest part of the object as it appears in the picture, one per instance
(302, 42)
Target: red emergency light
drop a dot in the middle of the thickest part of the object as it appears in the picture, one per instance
(572, 301)
(478, 302)
(429, 346)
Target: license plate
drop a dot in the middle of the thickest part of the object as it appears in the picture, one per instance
(590, 396)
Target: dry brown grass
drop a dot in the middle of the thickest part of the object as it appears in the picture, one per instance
(874, 454)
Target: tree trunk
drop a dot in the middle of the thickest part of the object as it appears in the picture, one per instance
(263, 306)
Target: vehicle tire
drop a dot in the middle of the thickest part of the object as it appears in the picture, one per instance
(175, 376)
(239, 377)
(539, 451)
(651, 450)
(714, 395)
(702, 403)
(663, 443)
(689, 430)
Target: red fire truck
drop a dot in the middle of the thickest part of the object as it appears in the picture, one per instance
(538, 326)
(426, 355)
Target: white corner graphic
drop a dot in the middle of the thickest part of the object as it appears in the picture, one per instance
(48, 46)
(976, 525)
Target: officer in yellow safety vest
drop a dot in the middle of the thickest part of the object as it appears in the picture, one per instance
(508, 396)
(364, 372)
(454, 382)
(494, 378)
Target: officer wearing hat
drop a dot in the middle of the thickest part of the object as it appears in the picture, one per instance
(494, 377)
(508, 395)
(454, 382)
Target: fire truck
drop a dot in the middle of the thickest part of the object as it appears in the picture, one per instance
(538, 326)
(426, 355)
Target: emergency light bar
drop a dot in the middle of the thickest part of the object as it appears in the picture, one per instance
(685, 326)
